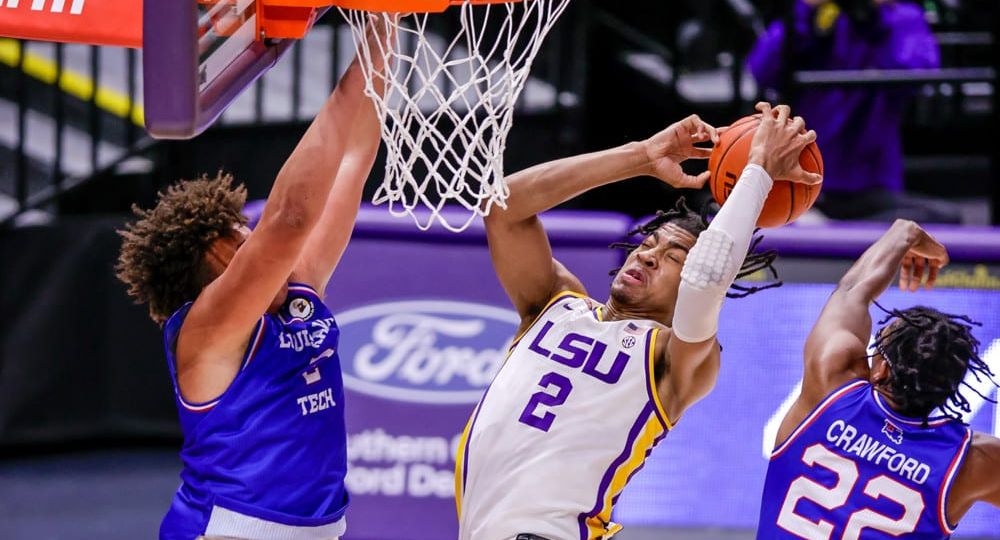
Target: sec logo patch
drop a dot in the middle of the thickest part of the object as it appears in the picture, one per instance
(301, 308)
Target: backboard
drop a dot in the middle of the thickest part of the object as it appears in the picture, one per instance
(198, 56)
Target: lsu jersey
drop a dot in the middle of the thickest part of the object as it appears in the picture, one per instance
(855, 469)
(267, 458)
(569, 418)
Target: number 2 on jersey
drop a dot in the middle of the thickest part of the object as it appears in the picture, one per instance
(838, 495)
(544, 422)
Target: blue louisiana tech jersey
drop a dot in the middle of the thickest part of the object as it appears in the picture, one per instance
(854, 469)
(267, 458)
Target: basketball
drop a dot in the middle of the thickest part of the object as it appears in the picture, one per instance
(787, 200)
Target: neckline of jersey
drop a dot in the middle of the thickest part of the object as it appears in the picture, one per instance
(919, 422)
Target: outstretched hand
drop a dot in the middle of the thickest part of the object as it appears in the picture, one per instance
(676, 144)
(926, 257)
(778, 142)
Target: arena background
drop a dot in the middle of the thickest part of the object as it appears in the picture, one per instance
(88, 430)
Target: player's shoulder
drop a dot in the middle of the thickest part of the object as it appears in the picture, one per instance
(975, 480)
(983, 457)
(985, 447)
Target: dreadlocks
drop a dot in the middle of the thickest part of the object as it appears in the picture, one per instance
(162, 253)
(697, 222)
(929, 353)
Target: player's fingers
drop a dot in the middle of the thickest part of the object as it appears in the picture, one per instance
(701, 153)
(905, 270)
(713, 134)
(765, 110)
(784, 111)
(944, 259)
(932, 274)
(805, 139)
(694, 182)
(802, 176)
(701, 134)
(919, 264)
(799, 125)
(813, 178)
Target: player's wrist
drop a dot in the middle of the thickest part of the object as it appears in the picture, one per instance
(642, 156)
(759, 158)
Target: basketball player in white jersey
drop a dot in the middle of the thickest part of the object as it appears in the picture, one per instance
(589, 388)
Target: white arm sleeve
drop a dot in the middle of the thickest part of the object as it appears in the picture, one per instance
(717, 256)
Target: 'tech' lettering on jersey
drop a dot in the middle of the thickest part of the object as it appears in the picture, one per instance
(268, 457)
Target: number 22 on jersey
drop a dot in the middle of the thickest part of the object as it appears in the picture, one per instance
(831, 498)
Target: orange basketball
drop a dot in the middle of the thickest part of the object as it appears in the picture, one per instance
(787, 200)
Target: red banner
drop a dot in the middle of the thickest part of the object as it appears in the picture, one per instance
(96, 22)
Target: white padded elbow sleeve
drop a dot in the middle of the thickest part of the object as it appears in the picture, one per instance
(717, 256)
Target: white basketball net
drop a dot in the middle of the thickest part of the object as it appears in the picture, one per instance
(449, 102)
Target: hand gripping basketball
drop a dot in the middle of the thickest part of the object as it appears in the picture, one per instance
(783, 147)
(778, 143)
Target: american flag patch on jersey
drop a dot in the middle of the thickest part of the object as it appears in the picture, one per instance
(634, 329)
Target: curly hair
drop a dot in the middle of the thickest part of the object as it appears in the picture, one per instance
(162, 255)
(696, 223)
(929, 353)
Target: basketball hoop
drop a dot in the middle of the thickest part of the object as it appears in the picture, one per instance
(449, 98)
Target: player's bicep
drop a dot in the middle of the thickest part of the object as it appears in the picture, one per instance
(325, 247)
(693, 373)
(836, 349)
(522, 259)
(989, 463)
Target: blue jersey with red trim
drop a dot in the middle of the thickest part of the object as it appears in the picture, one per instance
(273, 445)
(854, 469)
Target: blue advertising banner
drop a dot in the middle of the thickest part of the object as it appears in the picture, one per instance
(709, 472)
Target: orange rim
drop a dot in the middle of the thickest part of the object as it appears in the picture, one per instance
(408, 6)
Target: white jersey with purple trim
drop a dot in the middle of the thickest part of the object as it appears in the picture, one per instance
(570, 417)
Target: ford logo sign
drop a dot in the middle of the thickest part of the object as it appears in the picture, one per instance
(424, 351)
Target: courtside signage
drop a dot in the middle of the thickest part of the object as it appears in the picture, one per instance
(427, 351)
(52, 6)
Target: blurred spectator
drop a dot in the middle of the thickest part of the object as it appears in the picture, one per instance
(858, 127)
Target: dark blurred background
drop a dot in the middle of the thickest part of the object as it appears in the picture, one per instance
(902, 93)
(916, 141)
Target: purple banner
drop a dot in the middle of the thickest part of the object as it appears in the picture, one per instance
(424, 326)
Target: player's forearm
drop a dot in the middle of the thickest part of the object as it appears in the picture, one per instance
(303, 184)
(717, 256)
(545, 186)
(327, 242)
(874, 271)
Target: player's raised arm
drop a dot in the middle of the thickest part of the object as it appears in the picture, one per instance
(716, 258)
(218, 326)
(326, 245)
(519, 246)
(835, 350)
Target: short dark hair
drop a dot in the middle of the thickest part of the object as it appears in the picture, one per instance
(929, 353)
(163, 250)
(696, 223)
